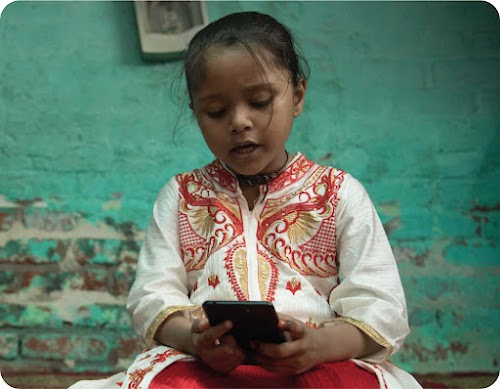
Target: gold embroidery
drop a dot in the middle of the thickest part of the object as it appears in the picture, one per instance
(203, 220)
(302, 226)
(264, 273)
(241, 267)
(161, 317)
(370, 331)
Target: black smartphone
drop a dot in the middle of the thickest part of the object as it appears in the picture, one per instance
(252, 320)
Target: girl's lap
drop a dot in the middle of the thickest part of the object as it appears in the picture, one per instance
(345, 374)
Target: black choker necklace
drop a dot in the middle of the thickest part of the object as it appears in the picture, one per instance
(261, 179)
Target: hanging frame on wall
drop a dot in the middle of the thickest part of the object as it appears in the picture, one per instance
(166, 27)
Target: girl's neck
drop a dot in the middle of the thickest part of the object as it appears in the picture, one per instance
(261, 179)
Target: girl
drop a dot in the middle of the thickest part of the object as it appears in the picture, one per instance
(260, 223)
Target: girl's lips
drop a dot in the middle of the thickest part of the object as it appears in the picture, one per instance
(243, 149)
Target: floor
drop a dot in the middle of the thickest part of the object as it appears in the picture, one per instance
(430, 381)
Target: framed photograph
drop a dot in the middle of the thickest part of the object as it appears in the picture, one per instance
(166, 27)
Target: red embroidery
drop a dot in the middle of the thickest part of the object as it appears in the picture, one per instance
(292, 174)
(273, 281)
(137, 376)
(213, 281)
(162, 357)
(381, 373)
(293, 285)
(220, 175)
(206, 222)
(302, 232)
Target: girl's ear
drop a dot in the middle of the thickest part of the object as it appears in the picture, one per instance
(299, 95)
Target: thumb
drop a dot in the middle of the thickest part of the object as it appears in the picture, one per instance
(293, 330)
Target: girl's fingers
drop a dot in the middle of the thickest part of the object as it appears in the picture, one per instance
(212, 334)
(295, 329)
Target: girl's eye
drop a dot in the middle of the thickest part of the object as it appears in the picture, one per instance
(216, 114)
(262, 103)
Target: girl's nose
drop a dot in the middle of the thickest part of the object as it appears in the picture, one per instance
(240, 120)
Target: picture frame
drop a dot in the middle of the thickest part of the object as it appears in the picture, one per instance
(166, 27)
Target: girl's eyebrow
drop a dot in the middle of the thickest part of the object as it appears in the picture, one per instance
(259, 87)
(209, 97)
(266, 86)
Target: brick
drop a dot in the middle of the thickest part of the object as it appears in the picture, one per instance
(67, 347)
(50, 220)
(128, 229)
(33, 251)
(30, 315)
(129, 251)
(123, 279)
(39, 316)
(97, 251)
(102, 316)
(129, 345)
(7, 282)
(46, 282)
(7, 217)
(9, 346)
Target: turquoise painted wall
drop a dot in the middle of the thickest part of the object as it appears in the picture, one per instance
(405, 96)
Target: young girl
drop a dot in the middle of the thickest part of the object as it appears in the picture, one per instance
(260, 223)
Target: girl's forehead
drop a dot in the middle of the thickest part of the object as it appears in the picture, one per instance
(243, 55)
(236, 71)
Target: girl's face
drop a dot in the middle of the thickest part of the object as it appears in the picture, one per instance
(245, 112)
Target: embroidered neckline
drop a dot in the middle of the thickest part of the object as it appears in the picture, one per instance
(297, 166)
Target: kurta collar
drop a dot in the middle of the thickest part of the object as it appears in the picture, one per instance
(222, 176)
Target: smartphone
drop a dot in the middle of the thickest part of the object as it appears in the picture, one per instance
(252, 320)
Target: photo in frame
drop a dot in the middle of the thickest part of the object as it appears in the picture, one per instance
(166, 27)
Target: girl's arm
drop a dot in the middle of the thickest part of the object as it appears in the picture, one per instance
(160, 287)
(370, 295)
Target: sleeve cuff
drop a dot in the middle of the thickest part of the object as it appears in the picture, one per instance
(377, 357)
(161, 317)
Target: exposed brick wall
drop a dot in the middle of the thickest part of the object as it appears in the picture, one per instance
(405, 96)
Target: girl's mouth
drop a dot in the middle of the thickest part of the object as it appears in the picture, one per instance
(245, 148)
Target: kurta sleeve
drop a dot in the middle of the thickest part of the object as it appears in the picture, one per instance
(160, 286)
(370, 295)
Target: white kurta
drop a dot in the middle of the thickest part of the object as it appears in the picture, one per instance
(313, 245)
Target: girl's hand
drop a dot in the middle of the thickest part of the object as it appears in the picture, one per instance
(301, 353)
(214, 348)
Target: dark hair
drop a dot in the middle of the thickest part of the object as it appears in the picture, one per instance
(252, 30)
